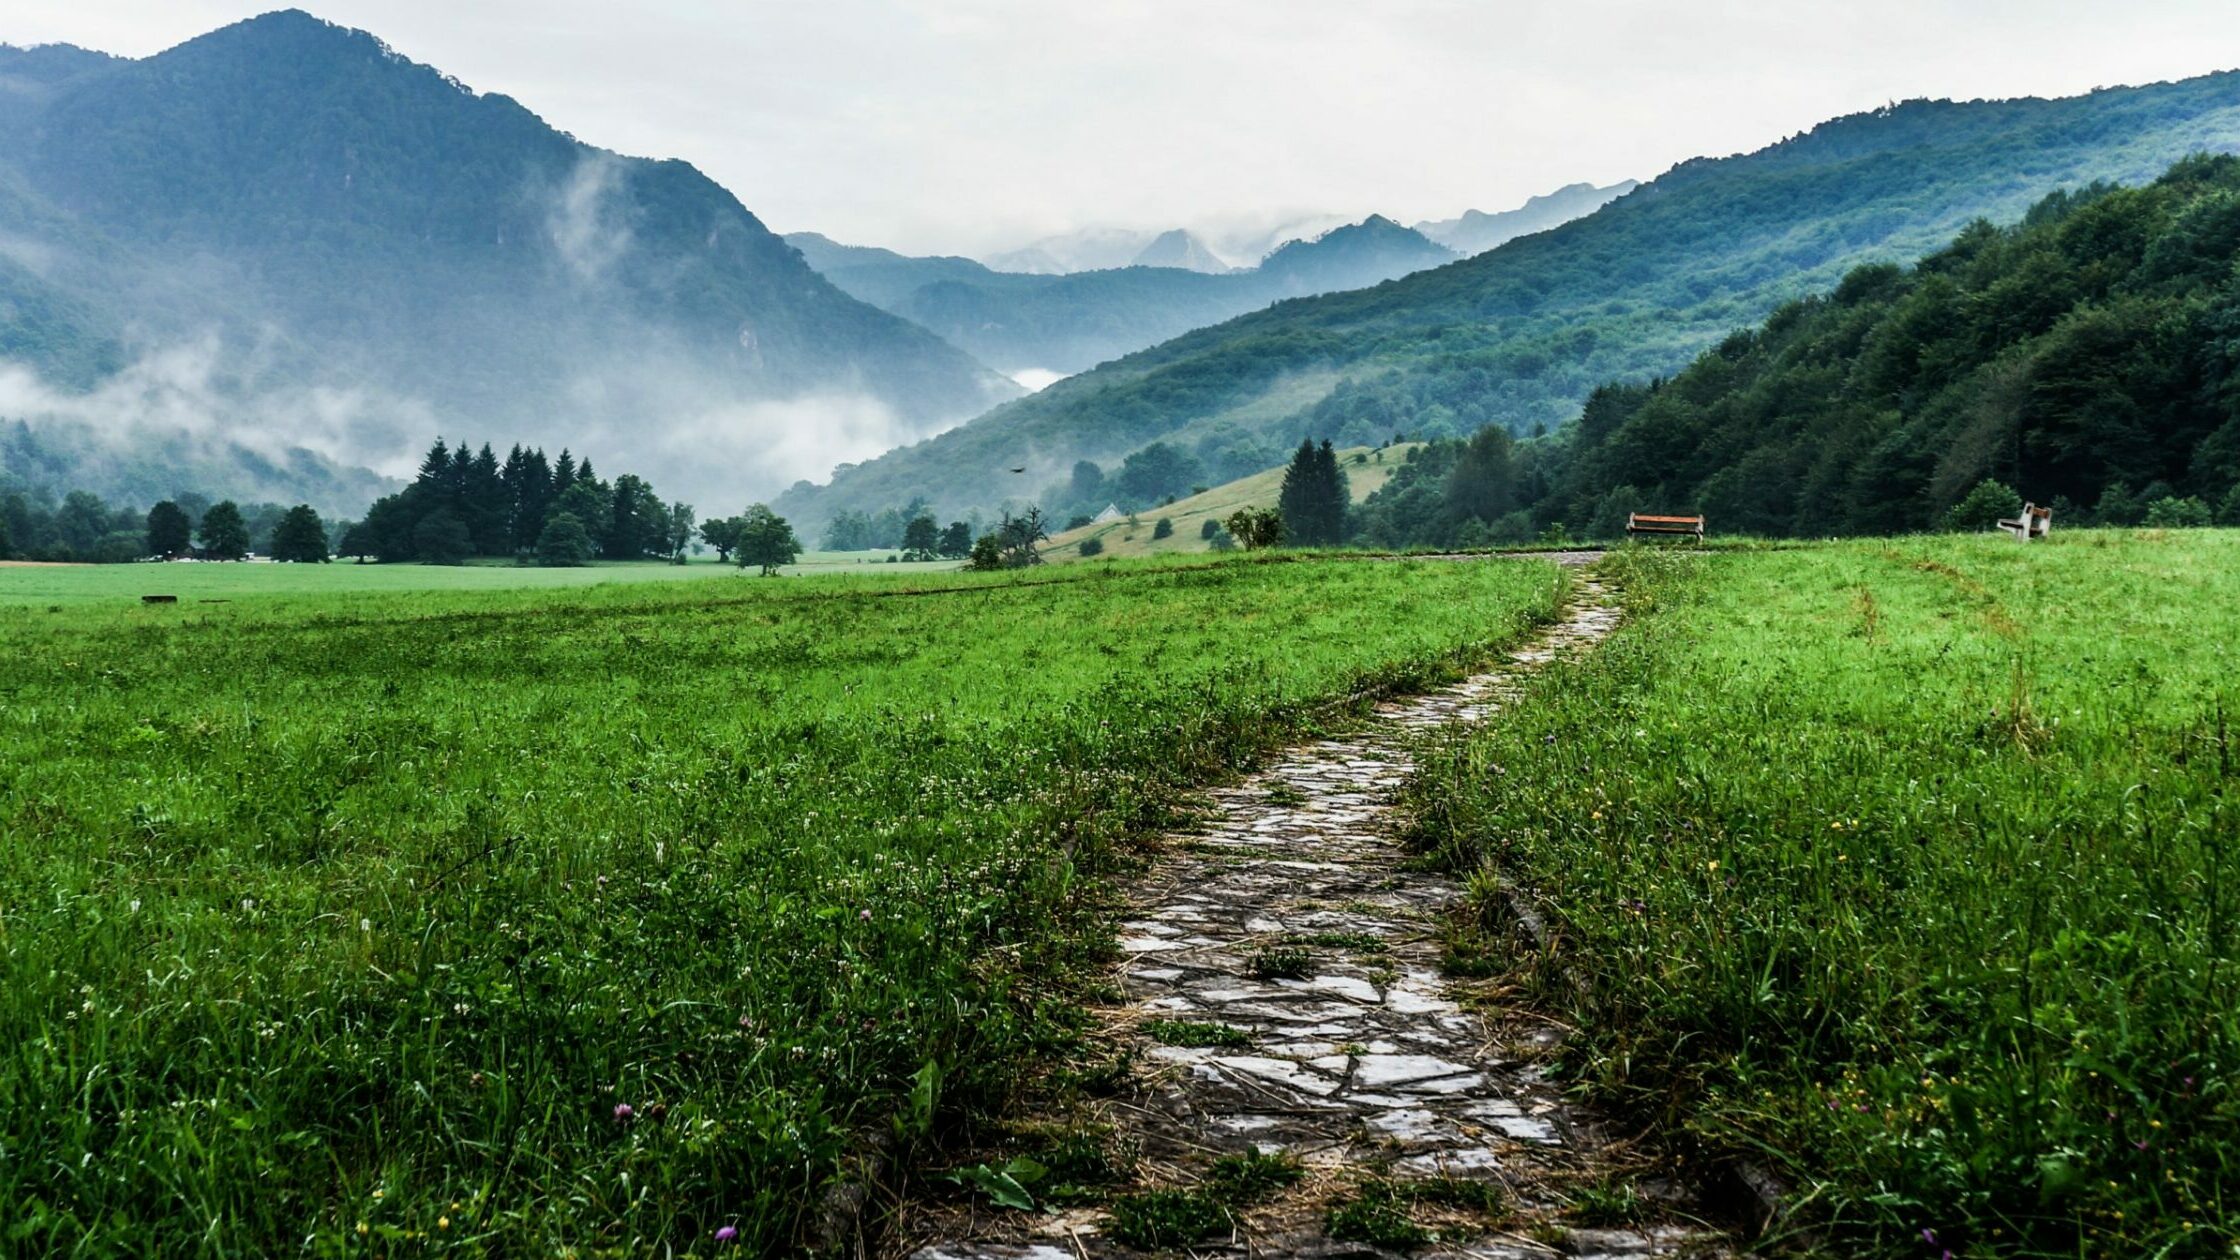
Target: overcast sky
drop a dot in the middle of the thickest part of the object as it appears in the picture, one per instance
(973, 125)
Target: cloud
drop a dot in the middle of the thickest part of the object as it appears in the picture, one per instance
(584, 219)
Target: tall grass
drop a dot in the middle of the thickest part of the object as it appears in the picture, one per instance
(1911, 867)
(595, 921)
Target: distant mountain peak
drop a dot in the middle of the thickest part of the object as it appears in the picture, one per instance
(1476, 231)
(1179, 247)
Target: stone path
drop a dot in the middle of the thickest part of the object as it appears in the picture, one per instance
(1292, 917)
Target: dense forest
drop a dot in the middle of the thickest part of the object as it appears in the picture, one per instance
(2086, 357)
(1521, 335)
(466, 502)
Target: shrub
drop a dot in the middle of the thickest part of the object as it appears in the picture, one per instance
(564, 543)
(1213, 527)
(1092, 546)
(1256, 528)
(2170, 512)
(2228, 512)
(1983, 507)
(1079, 520)
(1164, 529)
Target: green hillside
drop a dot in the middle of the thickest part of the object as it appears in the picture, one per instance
(1520, 335)
(2087, 358)
(1367, 469)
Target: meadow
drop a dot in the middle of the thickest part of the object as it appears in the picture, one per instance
(606, 919)
(39, 584)
(1905, 868)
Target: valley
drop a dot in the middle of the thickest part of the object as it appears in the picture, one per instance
(1146, 720)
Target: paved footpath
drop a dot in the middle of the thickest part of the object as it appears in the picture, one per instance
(1364, 1066)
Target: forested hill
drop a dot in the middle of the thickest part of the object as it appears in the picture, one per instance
(325, 224)
(1518, 336)
(1067, 323)
(2087, 357)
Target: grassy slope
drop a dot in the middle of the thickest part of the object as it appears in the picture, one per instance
(1190, 515)
(341, 920)
(1523, 332)
(1912, 866)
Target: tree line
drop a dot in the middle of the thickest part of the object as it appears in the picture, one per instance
(81, 528)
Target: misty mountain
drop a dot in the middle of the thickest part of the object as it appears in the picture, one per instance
(1088, 249)
(1519, 335)
(1477, 231)
(1180, 248)
(1066, 323)
(287, 235)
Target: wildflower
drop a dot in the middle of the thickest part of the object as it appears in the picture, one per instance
(365, 925)
(1711, 865)
(443, 1222)
(1928, 1236)
(363, 1228)
(728, 1234)
(864, 915)
(623, 1112)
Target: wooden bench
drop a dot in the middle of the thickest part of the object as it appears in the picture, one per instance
(2035, 522)
(1638, 523)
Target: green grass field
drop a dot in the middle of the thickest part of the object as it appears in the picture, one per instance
(84, 583)
(1909, 868)
(346, 917)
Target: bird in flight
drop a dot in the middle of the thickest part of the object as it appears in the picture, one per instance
(1022, 468)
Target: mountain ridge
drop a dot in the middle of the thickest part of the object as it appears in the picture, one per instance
(1066, 323)
(1520, 334)
(332, 216)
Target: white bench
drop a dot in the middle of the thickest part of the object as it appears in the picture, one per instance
(2035, 522)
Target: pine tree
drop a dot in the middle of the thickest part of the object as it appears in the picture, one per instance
(435, 470)
(1312, 502)
(563, 474)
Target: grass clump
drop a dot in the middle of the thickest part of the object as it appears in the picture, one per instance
(1196, 1033)
(1606, 1206)
(1946, 915)
(1279, 962)
(1250, 1178)
(1357, 942)
(1377, 1214)
(1158, 1219)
